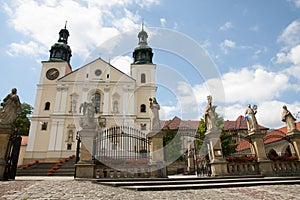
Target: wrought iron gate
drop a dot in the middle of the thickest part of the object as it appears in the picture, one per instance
(12, 156)
(121, 143)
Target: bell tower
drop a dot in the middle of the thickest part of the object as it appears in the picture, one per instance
(144, 72)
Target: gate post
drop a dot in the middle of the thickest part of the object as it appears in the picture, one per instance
(5, 132)
(158, 168)
(85, 166)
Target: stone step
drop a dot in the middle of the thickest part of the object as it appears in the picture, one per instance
(196, 183)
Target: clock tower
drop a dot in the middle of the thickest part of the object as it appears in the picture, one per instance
(49, 93)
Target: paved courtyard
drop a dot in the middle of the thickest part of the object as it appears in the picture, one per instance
(66, 188)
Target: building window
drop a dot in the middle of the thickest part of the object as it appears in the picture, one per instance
(143, 78)
(143, 127)
(97, 101)
(69, 146)
(44, 126)
(143, 108)
(116, 107)
(47, 106)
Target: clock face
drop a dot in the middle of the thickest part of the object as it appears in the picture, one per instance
(52, 73)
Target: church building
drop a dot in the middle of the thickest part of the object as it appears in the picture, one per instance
(119, 99)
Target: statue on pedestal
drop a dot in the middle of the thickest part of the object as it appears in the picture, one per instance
(251, 119)
(154, 106)
(11, 107)
(209, 115)
(289, 119)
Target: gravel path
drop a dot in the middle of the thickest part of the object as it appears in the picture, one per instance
(71, 189)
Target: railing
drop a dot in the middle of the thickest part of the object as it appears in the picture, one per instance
(286, 167)
(246, 168)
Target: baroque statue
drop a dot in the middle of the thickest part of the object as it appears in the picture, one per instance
(251, 119)
(209, 115)
(88, 110)
(289, 119)
(154, 106)
(11, 108)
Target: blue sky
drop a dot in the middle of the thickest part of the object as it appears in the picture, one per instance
(254, 47)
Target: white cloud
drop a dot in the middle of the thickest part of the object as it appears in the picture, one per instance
(226, 45)
(295, 2)
(168, 112)
(93, 21)
(122, 63)
(290, 36)
(226, 26)
(293, 56)
(163, 22)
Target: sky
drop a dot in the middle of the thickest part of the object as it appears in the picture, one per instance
(240, 52)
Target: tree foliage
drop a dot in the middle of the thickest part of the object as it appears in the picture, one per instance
(22, 122)
(173, 145)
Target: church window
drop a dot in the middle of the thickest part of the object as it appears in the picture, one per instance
(44, 126)
(116, 107)
(47, 106)
(69, 146)
(143, 78)
(143, 108)
(97, 99)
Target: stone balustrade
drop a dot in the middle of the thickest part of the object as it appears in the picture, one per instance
(136, 172)
(245, 168)
(288, 168)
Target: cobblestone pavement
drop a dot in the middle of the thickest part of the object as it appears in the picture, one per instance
(59, 188)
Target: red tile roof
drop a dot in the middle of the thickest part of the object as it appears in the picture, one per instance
(176, 123)
(239, 124)
(272, 136)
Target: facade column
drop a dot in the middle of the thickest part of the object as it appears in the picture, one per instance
(106, 104)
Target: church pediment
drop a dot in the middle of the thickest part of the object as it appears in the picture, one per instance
(97, 71)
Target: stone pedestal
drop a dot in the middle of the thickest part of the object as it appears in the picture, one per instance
(158, 168)
(258, 148)
(85, 166)
(295, 142)
(217, 162)
(214, 146)
(5, 132)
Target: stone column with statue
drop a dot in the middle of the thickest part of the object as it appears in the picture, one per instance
(85, 166)
(11, 107)
(212, 135)
(156, 142)
(255, 135)
(292, 131)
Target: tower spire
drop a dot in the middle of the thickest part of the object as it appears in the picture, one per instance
(61, 51)
(142, 53)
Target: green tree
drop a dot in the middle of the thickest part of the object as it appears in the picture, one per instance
(228, 144)
(22, 122)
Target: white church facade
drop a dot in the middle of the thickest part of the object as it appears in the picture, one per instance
(119, 99)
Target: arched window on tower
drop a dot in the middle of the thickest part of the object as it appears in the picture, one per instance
(143, 78)
(47, 106)
(143, 108)
(97, 101)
